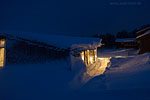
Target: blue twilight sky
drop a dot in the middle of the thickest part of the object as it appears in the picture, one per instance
(73, 16)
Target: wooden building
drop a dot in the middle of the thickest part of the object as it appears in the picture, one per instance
(32, 47)
(126, 43)
(142, 31)
(143, 39)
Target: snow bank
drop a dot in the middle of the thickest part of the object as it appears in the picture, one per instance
(124, 73)
(86, 72)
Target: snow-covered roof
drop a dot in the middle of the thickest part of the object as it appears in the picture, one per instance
(142, 30)
(146, 33)
(125, 40)
(59, 41)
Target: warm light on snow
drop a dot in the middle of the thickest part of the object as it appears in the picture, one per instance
(94, 66)
(120, 56)
(98, 67)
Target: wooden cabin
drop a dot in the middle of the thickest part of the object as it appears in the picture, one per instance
(142, 31)
(126, 43)
(32, 47)
(143, 39)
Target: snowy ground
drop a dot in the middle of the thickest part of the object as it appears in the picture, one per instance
(124, 73)
(34, 81)
(126, 78)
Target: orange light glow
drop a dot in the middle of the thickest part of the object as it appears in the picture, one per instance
(2, 57)
(2, 52)
(82, 55)
(98, 67)
(2, 42)
(89, 56)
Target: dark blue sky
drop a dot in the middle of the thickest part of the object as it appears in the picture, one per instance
(73, 16)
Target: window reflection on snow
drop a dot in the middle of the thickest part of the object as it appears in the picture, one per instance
(95, 66)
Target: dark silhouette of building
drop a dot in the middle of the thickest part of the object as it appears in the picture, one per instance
(126, 43)
(143, 39)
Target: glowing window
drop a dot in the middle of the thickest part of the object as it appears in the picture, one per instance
(2, 57)
(2, 42)
(89, 56)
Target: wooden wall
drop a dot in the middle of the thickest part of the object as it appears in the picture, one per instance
(22, 52)
(144, 44)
